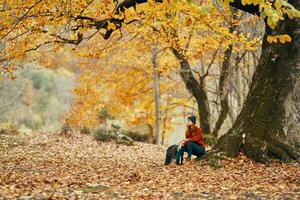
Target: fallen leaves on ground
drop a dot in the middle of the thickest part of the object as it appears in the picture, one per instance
(50, 166)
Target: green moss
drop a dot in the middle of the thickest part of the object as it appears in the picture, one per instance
(209, 140)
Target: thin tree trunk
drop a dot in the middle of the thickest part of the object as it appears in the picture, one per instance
(238, 86)
(156, 95)
(165, 119)
(223, 83)
(197, 89)
(223, 92)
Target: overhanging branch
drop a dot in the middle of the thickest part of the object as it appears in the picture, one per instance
(103, 24)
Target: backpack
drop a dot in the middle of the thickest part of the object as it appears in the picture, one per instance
(171, 153)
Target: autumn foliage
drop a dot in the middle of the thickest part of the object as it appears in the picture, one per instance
(121, 70)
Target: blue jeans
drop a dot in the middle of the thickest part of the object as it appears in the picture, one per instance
(191, 148)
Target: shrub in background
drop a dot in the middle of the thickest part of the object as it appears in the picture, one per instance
(66, 129)
(140, 133)
(104, 135)
(8, 129)
(84, 130)
(114, 134)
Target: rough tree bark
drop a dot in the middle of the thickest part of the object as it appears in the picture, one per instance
(269, 123)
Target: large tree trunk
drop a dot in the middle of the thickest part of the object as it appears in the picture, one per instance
(197, 89)
(269, 124)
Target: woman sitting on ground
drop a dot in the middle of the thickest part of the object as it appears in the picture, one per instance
(193, 144)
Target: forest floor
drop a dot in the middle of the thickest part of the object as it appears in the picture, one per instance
(51, 166)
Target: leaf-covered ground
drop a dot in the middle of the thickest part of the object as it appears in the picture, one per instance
(49, 166)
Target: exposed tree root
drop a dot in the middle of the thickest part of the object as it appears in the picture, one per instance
(258, 149)
(255, 149)
(289, 149)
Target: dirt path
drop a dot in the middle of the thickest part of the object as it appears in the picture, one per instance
(55, 167)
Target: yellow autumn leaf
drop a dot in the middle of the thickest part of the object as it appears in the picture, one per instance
(270, 22)
(284, 38)
(111, 26)
(165, 3)
(272, 39)
(290, 14)
(249, 2)
(278, 4)
(188, 21)
(151, 2)
(255, 2)
(119, 16)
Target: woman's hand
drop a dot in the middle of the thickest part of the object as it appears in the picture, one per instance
(179, 146)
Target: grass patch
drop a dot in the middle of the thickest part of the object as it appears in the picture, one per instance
(7, 141)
